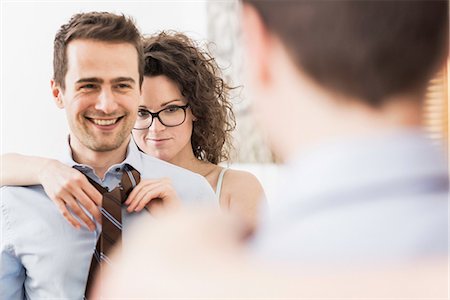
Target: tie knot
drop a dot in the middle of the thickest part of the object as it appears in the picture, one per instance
(130, 178)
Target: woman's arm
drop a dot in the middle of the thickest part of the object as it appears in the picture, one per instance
(67, 187)
(17, 169)
(243, 194)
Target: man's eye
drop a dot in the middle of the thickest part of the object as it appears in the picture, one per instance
(123, 86)
(88, 86)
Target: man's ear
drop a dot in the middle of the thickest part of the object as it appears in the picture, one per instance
(57, 94)
(257, 39)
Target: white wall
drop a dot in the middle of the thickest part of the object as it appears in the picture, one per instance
(30, 121)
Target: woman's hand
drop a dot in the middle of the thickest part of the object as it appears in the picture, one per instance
(69, 188)
(153, 194)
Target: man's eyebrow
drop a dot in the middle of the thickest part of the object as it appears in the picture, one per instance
(123, 79)
(90, 80)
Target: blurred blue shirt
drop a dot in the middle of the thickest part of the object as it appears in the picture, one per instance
(43, 256)
(376, 199)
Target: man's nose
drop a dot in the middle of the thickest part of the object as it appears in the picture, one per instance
(106, 102)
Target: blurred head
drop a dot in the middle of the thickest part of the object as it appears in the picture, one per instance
(368, 50)
(97, 77)
(365, 54)
(178, 74)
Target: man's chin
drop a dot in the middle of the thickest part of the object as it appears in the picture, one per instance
(105, 146)
(102, 142)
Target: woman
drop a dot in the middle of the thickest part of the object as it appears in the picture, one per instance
(185, 118)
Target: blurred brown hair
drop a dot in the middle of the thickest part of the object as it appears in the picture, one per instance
(369, 50)
(100, 26)
(198, 77)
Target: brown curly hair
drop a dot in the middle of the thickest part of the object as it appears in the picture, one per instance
(198, 77)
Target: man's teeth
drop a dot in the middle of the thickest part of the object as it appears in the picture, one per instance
(104, 122)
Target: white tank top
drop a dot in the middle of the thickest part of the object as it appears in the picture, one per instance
(219, 182)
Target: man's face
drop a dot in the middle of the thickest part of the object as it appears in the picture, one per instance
(102, 93)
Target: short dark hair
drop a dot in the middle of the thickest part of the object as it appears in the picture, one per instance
(198, 77)
(367, 49)
(100, 26)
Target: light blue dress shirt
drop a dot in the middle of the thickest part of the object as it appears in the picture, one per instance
(376, 200)
(43, 257)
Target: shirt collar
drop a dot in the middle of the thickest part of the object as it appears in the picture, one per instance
(132, 158)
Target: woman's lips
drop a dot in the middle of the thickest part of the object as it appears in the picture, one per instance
(157, 141)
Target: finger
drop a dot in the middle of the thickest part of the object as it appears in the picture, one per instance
(88, 196)
(133, 203)
(144, 184)
(146, 190)
(87, 203)
(151, 203)
(143, 195)
(133, 194)
(81, 183)
(76, 209)
(157, 194)
(151, 195)
(92, 192)
(67, 215)
(141, 185)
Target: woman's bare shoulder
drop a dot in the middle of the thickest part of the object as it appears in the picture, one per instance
(242, 186)
(241, 178)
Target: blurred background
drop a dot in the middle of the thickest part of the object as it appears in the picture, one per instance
(32, 124)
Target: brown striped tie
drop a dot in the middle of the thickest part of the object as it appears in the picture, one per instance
(111, 235)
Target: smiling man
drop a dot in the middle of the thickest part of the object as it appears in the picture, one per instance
(98, 73)
(100, 95)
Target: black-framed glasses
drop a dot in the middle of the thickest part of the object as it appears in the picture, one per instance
(171, 116)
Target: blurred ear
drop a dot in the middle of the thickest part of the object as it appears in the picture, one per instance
(257, 42)
(57, 94)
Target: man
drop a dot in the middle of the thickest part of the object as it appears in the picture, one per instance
(338, 88)
(347, 79)
(98, 72)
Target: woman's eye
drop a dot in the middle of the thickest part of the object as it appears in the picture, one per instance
(172, 109)
(143, 113)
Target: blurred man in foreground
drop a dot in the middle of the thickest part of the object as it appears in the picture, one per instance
(338, 87)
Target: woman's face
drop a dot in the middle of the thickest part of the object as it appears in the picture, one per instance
(167, 143)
